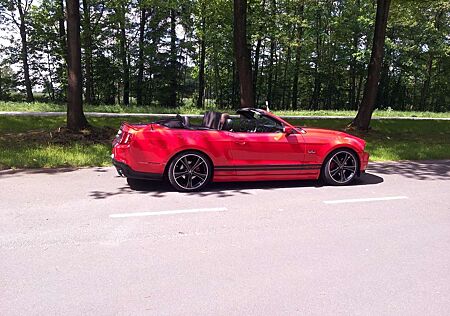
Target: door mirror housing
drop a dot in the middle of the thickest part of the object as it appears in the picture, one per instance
(288, 130)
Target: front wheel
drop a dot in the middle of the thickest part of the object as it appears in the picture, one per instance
(189, 171)
(341, 167)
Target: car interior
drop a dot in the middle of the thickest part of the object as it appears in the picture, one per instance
(247, 122)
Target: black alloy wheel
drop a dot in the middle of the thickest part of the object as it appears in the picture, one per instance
(189, 171)
(341, 168)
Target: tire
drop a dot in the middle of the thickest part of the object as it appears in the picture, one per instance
(341, 167)
(189, 171)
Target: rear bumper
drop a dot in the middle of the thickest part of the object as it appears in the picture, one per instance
(126, 171)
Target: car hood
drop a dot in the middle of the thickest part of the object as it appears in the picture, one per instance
(339, 135)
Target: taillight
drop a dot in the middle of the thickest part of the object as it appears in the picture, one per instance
(126, 137)
(122, 138)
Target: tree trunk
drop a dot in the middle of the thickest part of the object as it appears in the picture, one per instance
(256, 68)
(273, 47)
(1, 87)
(140, 78)
(201, 75)
(286, 67)
(353, 65)
(234, 84)
(270, 74)
(89, 93)
(314, 104)
(50, 81)
(362, 119)
(352, 94)
(242, 54)
(24, 52)
(256, 62)
(173, 60)
(123, 55)
(217, 87)
(294, 101)
(75, 116)
(62, 30)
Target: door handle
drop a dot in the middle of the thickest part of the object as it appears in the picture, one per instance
(240, 142)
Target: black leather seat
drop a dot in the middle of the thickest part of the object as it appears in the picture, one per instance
(211, 119)
(227, 125)
(185, 121)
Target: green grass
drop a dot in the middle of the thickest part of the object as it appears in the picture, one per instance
(388, 140)
(189, 109)
(53, 155)
(401, 139)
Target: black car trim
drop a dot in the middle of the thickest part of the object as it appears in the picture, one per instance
(267, 167)
(126, 171)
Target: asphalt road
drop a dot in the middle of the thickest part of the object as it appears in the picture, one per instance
(78, 242)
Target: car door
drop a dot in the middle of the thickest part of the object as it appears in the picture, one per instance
(267, 153)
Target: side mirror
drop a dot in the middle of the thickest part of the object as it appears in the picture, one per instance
(288, 130)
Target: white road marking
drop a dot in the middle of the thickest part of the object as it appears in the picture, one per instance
(158, 213)
(387, 198)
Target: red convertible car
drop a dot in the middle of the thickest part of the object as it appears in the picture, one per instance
(255, 145)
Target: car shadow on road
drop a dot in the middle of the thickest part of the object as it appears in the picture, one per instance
(418, 170)
(226, 189)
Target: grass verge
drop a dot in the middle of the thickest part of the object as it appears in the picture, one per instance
(32, 142)
(189, 109)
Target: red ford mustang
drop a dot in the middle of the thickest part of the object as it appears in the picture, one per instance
(255, 145)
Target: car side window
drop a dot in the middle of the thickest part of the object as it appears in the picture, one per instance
(259, 124)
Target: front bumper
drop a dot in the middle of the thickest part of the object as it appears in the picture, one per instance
(126, 171)
(364, 161)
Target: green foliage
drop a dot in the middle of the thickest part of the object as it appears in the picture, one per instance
(326, 46)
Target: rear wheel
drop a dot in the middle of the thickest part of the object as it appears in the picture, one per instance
(189, 171)
(341, 167)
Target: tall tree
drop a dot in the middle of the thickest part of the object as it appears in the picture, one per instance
(169, 52)
(201, 9)
(23, 36)
(87, 41)
(75, 115)
(140, 78)
(121, 10)
(61, 28)
(273, 46)
(364, 115)
(242, 54)
(9, 9)
(172, 102)
(299, 26)
(201, 70)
